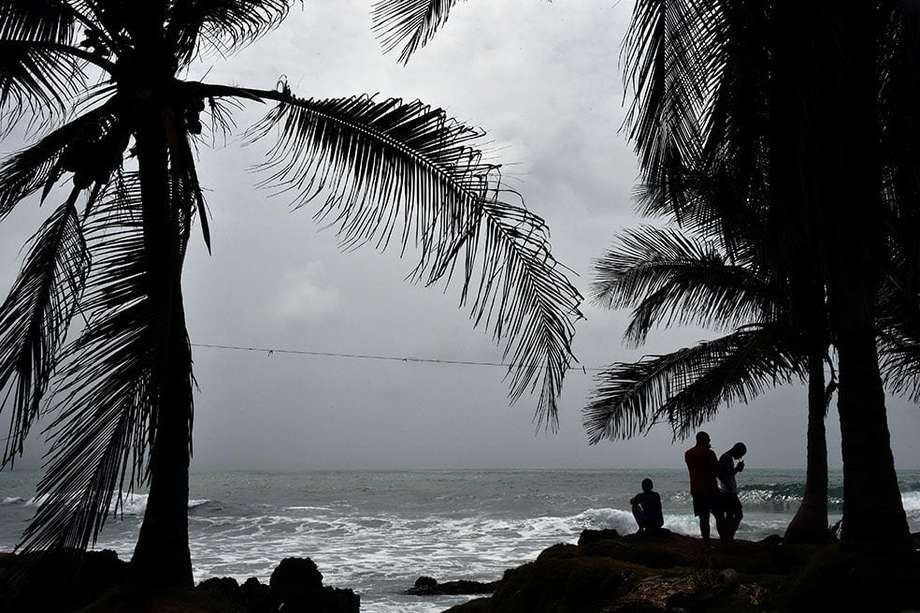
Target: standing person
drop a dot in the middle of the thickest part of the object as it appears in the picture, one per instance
(646, 508)
(703, 467)
(728, 486)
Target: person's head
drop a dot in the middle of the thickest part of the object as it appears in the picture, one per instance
(738, 450)
(702, 439)
(647, 485)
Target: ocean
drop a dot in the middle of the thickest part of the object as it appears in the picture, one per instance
(376, 532)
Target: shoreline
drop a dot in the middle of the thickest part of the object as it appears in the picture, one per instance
(604, 573)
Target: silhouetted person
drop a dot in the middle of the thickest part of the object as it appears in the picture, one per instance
(646, 508)
(704, 467)
(730, 504)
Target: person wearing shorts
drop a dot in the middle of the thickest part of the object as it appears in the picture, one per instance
(703, 467)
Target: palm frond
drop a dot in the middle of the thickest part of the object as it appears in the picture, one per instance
(36, 81)
(99, 439)
(37, 20)
(671, 277)
(222, 25)
(899, 359)
(35, 317)
(686, 388)
(669, 52)
(406, 172)
(41, 165)
(409, 24)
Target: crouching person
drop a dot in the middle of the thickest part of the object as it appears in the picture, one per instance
(646, 508)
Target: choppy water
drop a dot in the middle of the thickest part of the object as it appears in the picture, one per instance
(377, 531)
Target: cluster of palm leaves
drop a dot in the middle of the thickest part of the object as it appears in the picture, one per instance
(117, 129)
(798, 236)
(670, 276)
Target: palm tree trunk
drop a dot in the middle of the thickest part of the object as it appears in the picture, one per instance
(162, 557)
(826, 92)
(810, 522)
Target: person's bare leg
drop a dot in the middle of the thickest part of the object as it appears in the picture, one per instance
(639, 516)
(704, 527)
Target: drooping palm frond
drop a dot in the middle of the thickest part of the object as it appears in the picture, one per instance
(222, 25)
(686, 388)
(36, 81)
(42, 164)
(35, 317)
(105, 400)
(899, 359)
(669, 52)
(406, 172)
(409, 24)
(899, 98)
(671, 277)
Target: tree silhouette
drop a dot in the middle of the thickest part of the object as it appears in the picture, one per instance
(672, 277)
(798, 117)
(100, 80)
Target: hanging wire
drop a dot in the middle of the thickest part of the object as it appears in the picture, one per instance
(269, 351)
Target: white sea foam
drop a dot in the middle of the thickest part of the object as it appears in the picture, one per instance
(131, 504)
(911, 501)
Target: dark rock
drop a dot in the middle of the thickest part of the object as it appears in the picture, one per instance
(294, 576)
(593, 536)
(335, 600)
(220, 584)
(427, 586)
(729, 577)
(222, 589)
(773, 540)
(298, 586)
(257, 596)
(425, 583)
(61, 580)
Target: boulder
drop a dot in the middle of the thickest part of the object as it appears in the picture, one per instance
(428, 586)
(297, 585)
(257, 596)
(61, 580)
(293, 577)
(593, 536)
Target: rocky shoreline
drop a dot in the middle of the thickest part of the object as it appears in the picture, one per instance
(672, 573)
(97, 582)
(603, 573)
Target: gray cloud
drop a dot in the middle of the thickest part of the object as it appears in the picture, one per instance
(543, 79)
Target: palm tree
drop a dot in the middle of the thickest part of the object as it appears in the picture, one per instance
(669, 277)
(803, 110)
(100, 80)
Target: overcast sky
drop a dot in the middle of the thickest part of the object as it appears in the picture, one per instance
(543, 79)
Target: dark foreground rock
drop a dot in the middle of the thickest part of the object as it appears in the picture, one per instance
(63, 580)
(97, 582)
(428, 586)
(664, 572)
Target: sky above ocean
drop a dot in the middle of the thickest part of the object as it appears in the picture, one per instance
(543, 78)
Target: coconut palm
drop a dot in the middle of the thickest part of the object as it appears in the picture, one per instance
(100, 81)
(671, 277)
(807, 112)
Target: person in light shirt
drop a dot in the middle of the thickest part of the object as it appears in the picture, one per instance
(729, 502)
